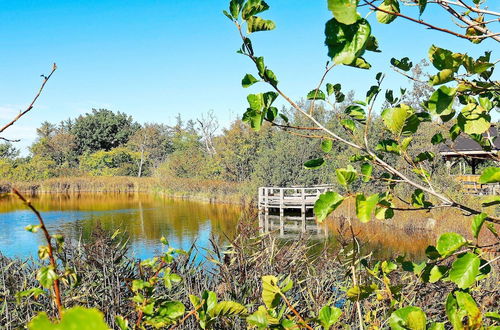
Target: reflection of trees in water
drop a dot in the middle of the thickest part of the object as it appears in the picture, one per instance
(382, 240)
(144, 218)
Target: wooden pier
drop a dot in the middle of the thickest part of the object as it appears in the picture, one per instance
(295, 198)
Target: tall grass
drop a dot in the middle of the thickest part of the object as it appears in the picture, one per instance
(234, 272)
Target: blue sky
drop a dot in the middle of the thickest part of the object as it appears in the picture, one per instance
(153, 59)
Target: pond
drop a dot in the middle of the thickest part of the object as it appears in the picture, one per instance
(146, 218)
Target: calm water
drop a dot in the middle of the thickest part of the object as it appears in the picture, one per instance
(146, 218)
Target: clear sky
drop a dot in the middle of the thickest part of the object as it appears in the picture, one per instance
(154, 59)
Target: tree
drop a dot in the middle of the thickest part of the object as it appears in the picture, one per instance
(7, 150)
(102, 130)
(153, 142)
(208, 125)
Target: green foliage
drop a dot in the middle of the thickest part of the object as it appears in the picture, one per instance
(74, 318)
(118, 161)
(408, 318)
(329, 316)
(326, 204)
(384, 14)
(365, 206)
(464, 270)
(102, 130)
(347, 43)
(449, 243)
(490, 175)
(345, 11)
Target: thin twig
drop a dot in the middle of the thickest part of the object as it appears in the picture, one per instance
(48, 238)
(22, 113)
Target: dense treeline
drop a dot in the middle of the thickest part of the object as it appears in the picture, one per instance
(107, 143)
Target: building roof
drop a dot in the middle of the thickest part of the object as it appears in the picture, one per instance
(465, 145)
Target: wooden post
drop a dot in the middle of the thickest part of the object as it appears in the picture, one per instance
(303, 209)
(282, 202)
(266, 204)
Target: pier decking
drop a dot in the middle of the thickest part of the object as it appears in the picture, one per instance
(295, 198)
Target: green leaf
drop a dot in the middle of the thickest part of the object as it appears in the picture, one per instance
(228, 308)
(455, 315)
(360, 63)
(437, 138)
(365, 206)
(348, 124)
(441, 101)
(346, 42)
(326, 204)
(466, 303)
(172, 309)
(464, 270)
(366, 170)
(388, 145)
(426, 155)
(46, 276)
(421, 6)
(408, 318)
(403, 64)
(74, 318)
(248, 80)
(32, 228)
(225, 12)
(493, 315)
(256, 24)
(400, 120)
(361, 292)
(314, 163)
(418, 199)
(235, 8)
(33, 292)
(253, 7)
(330, 89)
(454, 132)
(356, 112)
(491, 201)
(328, 316)
(449, 242)
(210, 298)
(316, 94)
(259, 319)
(474, 119)
(442, 77)
(345, 11)
(121, 322)
(270, 291)
(391, 6)
(326, 145)
(444, 59)
(490, 175)
(406, 143)
(346, 176)
(270, 77)
(477, 223)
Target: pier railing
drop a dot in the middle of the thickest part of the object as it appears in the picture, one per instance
(282, 198)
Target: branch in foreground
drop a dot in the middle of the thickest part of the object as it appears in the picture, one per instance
(22, 113)
(48, 238)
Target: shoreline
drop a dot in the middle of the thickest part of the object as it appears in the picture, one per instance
(208, 191)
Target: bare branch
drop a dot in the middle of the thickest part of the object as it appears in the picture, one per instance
(22, 113)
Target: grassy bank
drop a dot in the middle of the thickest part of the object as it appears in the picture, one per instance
(204, 190)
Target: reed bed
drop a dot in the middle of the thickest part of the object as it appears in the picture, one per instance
(105, 270)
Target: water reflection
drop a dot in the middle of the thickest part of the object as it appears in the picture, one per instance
(290, 227)
(144, 218)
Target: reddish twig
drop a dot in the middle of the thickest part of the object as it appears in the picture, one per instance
(22, 113)
(48, 238)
